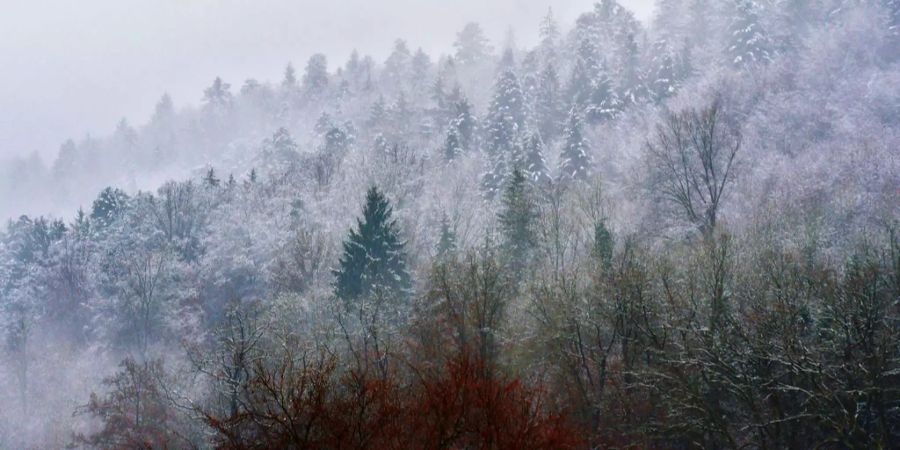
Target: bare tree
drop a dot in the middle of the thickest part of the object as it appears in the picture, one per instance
(691, 161)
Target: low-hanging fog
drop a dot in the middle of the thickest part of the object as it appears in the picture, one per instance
(476, 224)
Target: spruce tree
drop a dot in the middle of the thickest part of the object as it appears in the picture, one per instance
(506, 120)
(373, 259)
(574, 162)
(749, 43)
(447, 243)
(518, 218)
(535, 166)
(452, 148)
(548, 103)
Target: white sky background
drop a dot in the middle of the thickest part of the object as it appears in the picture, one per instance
(71, 67)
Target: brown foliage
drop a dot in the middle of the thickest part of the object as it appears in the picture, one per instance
(307, 405)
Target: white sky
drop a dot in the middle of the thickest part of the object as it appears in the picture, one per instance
(69, 67)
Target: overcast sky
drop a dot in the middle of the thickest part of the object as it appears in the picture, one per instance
(69, 67)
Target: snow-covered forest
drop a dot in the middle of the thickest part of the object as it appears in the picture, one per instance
(679, 234)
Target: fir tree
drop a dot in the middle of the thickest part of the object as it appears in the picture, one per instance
(210, 179)
(108, 206)
(373, 259)
(535, 166)
(574, 161)
(548, 103)
(446, 245)
(506, 120)
(518, 218)
(602, 249)
(748, 42)
(452, 148)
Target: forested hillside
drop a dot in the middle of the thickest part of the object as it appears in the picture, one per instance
(681, 234)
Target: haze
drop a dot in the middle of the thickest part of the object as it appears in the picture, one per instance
(73, 68)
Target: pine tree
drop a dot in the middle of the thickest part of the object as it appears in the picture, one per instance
(574, 161)
(535, 166)
(108, 206)
(446, 245)
(602, 249)
(464, 121)
(315, 76)
(373, 259)
(472, 47)
(548, 103)
(549, 34)
(289, 83)
(518, 218)
(506, 120)
(210, 179)
(748, 42)
(452, 148)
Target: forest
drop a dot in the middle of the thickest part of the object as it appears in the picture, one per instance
(681, 234)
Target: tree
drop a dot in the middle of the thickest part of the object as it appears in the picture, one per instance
(108, 206)
(517, 219)
(534, 164)
(446, 245)
(548, 103)
(373, 261)
(575, 164)
(452, 147)
(505, 125)
(472, 47)
(315, 76)
(135, 412)
(748, 42)
(692, 159)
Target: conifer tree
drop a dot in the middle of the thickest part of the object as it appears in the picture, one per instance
(447, 242)
(452, 148)
(574, 161)
(373, 261)
(506, 120)
(748, 42)
(517, 219)
(535, 166)
(548, 103)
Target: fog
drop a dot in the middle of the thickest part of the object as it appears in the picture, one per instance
(617, 222)
(71, 68)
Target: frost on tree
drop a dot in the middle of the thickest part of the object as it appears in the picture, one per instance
(575, 164)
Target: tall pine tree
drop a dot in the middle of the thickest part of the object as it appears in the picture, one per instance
(575, 164)
(373, 262)
(518, 220)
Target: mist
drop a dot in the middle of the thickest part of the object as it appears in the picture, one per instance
(479, 224)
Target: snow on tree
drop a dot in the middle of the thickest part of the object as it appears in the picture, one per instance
(748, 41)
(548, 103)
(534, 166)
(575, 164)
(505, 123)
(472, 46)
(315, 76)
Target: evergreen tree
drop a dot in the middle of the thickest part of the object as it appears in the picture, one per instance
(452, 148)
(549, 34)
(548, 103)
(464, 121)
(472, 46)
(748, 42)
(108, 206)
(602, 249)
(506, 120)
(574, 161)
(315, 76)
(446, 245)
(373, 259)
(289, 82)
(535, 166)
(210, 179)
(518, 218)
